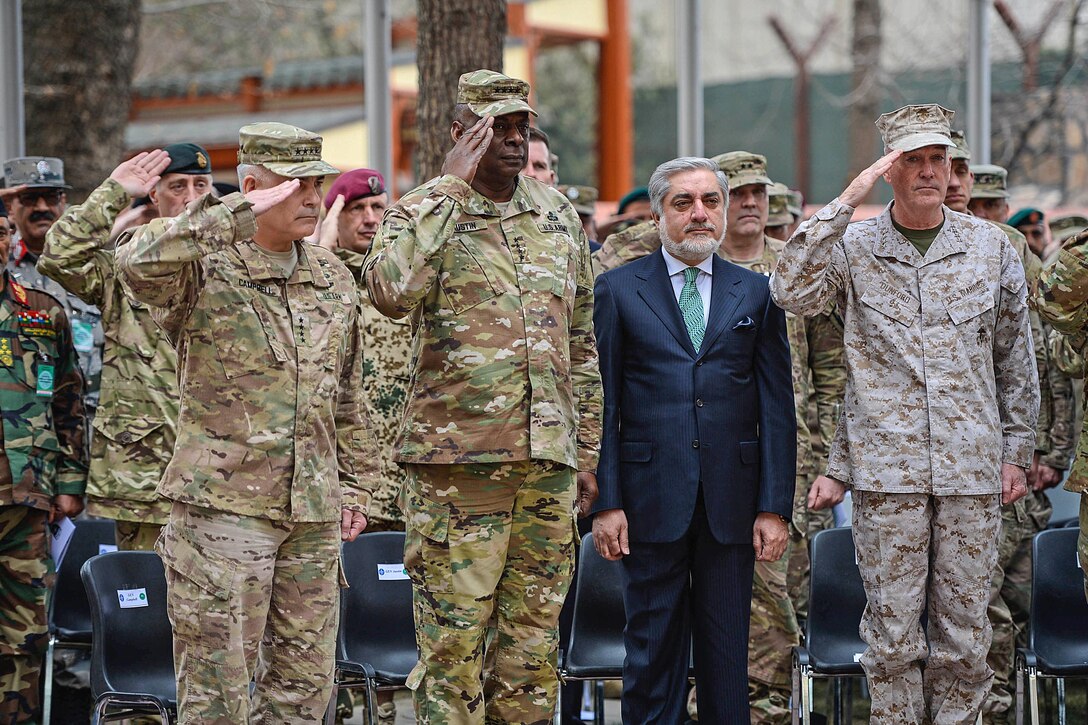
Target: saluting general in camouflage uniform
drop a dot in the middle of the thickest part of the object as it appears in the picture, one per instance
(273, 463)
(35, 210)
(136, 424)
(504, 407)
(42, 474)
(939, 413)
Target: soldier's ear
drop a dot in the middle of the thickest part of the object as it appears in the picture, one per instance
(249, 183)
(457, 130)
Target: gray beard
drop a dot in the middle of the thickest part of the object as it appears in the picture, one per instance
(699, 248)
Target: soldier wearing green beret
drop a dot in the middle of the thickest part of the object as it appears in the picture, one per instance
(501, 429)
(274, 461)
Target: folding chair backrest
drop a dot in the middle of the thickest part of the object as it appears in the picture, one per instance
(376, 625)
(836, 603)
(69, 612)
(1058, 630)
(132, 650)
(596, 647)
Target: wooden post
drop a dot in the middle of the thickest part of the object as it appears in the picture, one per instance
(615, 143)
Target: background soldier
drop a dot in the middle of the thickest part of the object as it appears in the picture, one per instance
(274, 464)
(34, 210)
(137, 420)
(42, 474)
(505, 407)
(990, 194)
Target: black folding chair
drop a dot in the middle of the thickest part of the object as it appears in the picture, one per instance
(132, 660)
(596, 651)
(833, 645)
(1058, 623)
(376, 644)
(69, 612)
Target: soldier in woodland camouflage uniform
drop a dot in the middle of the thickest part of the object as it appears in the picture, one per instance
(939, 413)
(35, 210)
(136, 422)
(504, 408)
(355, 204)
(274, 463)
(42, 474)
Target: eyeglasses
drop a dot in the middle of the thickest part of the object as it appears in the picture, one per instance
(52, 197)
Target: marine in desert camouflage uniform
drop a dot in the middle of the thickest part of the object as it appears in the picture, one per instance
(274, 461)
(504, 408)
(43, 473)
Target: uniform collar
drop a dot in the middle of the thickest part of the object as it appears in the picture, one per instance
(890, 243)
(523, 200)
(260, 268)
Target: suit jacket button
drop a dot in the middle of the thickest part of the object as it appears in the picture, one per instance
(695, 444)
(698, 403)
(699, 364)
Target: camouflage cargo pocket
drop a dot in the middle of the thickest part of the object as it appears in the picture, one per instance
(426, 544)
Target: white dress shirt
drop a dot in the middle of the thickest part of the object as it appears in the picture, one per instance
(702, 281)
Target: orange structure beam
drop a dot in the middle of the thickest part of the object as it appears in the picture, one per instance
(615, 147)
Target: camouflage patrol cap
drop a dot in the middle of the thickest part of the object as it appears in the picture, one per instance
(991, 182)
(286, 150)
(912, 127)
(743, 167)
(582, 198)
(493, 94)
(778, 211)
(187, 158)
(1067, 226)
(36, 172)
(796, 203)
(960, 150)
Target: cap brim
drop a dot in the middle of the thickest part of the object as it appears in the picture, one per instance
(990, 194)
(45, 186)
(778, 220)
(955, 153)
(915, 141)
(501, 108)
(299, 169)
(739, 180)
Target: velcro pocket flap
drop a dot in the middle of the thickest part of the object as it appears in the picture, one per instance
(209, 570)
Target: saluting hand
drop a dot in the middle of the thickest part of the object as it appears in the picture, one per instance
(860, 187)
(264, 199)
(329, 232)
(465, 155)
(138, 175)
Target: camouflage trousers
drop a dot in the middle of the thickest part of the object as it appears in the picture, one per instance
(773, 633)
(135, 536)
(1014, 527)
(484, 537)
(251, 599)
(26, 573)
(912, 548)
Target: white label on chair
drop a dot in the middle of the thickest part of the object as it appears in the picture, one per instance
(391, 572)
(106, 548)
(857, 657)
(132, 598)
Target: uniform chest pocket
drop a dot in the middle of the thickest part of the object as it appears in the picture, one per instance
(245, 340)
(565, 271)
(464, 280)
(967, 309)
(901, 308)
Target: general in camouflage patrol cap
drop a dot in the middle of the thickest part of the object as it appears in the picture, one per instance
(1067, 226)
(912, 127)
(582, 198)
(991, 182)
(742, 168)
(778, 205)
(286, 150)
(36, 172)
(187, 158)
(960, 150)
(489, 93)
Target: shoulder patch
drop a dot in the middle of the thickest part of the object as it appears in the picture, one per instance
(18, 293)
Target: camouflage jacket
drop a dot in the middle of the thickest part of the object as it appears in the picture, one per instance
(136, 423)
(387, 361)
(625, 246)
(85, 320)
(941, 383)
(273, 422)
(505, 362)
(41, 396)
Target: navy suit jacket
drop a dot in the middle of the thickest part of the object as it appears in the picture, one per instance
(676, 419)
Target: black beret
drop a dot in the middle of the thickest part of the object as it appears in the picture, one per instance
(187, 158)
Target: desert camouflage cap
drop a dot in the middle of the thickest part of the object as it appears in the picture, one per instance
(912, 127)
(743, 167)
(286, 150)
(960, 150)
(490, 93)
(35, 172)
(582, 198)
(778, 205)
(1067, 226)
(991, 182)
(796, 203)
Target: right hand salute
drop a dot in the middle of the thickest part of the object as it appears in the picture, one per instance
(465, 155)
(264, 199)
(138, 175)
(860, 187)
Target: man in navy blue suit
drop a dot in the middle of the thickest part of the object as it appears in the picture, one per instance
(698, 454)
